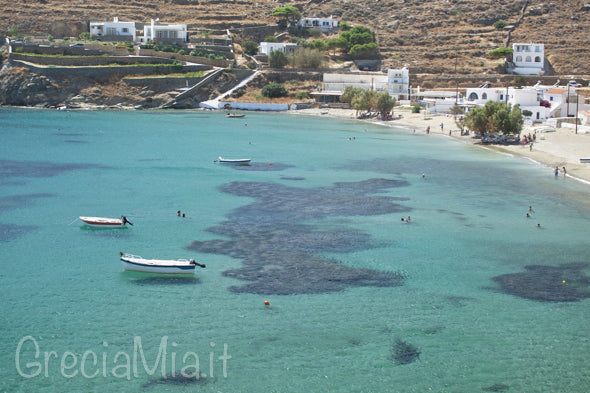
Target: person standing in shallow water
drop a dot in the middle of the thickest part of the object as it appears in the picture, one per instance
(556, 171)
(564, 171)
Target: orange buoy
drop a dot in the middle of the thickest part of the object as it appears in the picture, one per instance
(266, 303)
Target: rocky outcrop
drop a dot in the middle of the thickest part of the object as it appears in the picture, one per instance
(20, 87)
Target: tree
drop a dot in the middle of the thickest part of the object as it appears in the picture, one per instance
(250, 47)
(349, 93)
(364, 51)
(385, 104)
(274, 90)
(289, 13)
(344, 26)
(500, 52)
(456, 110)
(320, 45)
(358, 35)
(365, 101)
(270, 38)
(495, 117)
(335, 43)
(277, 59)
(85, 36)
(359, 42)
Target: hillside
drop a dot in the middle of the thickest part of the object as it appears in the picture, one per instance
(436, 36)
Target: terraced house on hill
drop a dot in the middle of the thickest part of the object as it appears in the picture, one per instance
(134, 32)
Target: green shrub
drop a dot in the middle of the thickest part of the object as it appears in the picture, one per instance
(302, 95)
(250, 47)
(274, 90)
(500, 24)
(416, 108)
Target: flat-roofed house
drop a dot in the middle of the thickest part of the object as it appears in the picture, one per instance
(164, 34)
(324, 24)
(528, 59)
(113, 31)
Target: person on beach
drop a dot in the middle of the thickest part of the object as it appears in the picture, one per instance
(564, 172)
(442, 126)
(531, 147)
(531, 209)
(428, 130)
(556, 171)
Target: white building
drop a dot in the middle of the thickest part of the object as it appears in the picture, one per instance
(544, 102)
(563, 101)
(528, 98)
(398, 83)
(157, 32)
(113, 31)
(264, 48)
(324, 24)
(437, 101)
(366, 80)
(528, 59)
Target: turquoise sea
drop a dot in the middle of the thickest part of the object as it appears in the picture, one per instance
(470, 296)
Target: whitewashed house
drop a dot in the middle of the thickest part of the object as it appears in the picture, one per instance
(164, 34)
(528, 59)
(563, 101)
(264, 48)
(366, 80)
(113, 31)
(584, 118)
(324, 24)
(437, 101)
(528, 98)
(398, 83)
(333, 84)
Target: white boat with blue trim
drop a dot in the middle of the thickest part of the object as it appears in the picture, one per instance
(103, 222)
(163, 266)
(234, 161)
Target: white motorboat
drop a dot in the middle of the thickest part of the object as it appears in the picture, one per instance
(235, 161)
(103, 222)
(163, 266)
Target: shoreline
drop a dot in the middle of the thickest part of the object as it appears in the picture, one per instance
(562, 148)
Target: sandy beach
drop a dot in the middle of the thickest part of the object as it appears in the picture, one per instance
(562, 148)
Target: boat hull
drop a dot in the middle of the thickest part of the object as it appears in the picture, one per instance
(101, 222)
(239, 161)
(138, 264)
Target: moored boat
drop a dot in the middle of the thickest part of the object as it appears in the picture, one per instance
(238, 161)
(234, 115)
(103, 222)
(136, 263)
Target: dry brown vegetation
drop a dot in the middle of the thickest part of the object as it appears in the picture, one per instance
(436, 36)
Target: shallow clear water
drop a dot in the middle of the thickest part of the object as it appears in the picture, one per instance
(314, 227)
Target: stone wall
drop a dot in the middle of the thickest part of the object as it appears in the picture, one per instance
(88, 61)
(104, 72)
(254, 106)
(187, 58)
